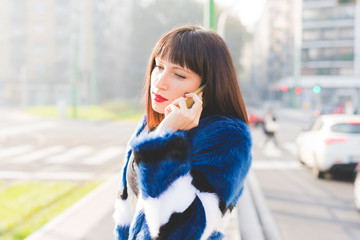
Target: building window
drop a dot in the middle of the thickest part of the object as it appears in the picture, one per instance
(346, 71)
(326, 71)
(328, 54)
(330, 34)
(310, 35)
(39, 49)
(345, 53)
(39, 28)
(346, 1)
(308, 72)
(346, 33)
(39, 6)
(39, 69)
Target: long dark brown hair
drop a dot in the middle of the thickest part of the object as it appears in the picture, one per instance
(205, 53)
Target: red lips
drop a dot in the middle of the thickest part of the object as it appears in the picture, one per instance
(159, 98)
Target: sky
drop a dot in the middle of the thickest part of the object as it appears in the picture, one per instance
(248, 11)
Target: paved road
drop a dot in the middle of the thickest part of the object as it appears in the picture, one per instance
(45, 149)
(302, 206)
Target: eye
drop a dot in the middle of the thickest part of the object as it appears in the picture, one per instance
(158, 66)
(180, 76)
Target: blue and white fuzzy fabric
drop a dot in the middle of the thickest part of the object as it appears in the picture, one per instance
(188, 181)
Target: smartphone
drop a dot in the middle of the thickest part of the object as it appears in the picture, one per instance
(190, 101)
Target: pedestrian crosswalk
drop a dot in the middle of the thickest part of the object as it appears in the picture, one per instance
(70, 155)
(16, 150)
(39, 154)
(27, 128)
(103, 156)
(59, 155)
(273, 151)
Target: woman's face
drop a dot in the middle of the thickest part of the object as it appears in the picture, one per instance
(170, 81)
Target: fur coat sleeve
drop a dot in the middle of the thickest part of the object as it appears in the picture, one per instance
(188, 181)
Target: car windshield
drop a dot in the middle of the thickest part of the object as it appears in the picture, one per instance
(346, 128)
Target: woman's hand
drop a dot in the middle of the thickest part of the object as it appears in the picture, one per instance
(179, 117)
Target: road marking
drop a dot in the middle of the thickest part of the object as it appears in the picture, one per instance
(38, 155)
(13, 151)
(291, 148)
(70, 155)
(104, 156)
(270, 150)
(26, 128)
(21, 175)
(281, 165)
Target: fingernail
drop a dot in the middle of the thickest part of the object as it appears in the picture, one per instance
(201, 94)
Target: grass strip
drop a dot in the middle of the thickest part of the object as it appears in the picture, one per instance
(93, 113)
(24, 227)
(20, 201)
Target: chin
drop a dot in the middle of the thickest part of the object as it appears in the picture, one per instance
(157, 108)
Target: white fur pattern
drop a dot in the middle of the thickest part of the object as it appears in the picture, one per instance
(177, 198)
(123, 212)
(213, 214)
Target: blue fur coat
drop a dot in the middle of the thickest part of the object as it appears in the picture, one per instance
(188, 181)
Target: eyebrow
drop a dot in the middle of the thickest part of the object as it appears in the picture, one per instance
(173, 67)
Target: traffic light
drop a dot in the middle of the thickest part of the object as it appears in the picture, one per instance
(298, 90)
(317, 89)
(284, 88)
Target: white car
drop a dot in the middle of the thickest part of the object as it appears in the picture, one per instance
(331, 144)
(357, 187)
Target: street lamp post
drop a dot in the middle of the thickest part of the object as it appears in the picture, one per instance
(209, 15)
(75, 57)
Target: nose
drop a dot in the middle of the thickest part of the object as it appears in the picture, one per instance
(162, 80)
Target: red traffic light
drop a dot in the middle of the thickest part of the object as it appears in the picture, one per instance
(298, 90)
(284, 88)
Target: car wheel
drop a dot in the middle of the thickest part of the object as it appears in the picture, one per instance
(317, 173)
(316, 170)
(299, 156)
(300, 159)
(357, 191)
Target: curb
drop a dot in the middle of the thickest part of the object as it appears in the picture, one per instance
(256, 221)
(52, 225)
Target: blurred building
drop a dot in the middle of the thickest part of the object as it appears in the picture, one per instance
(322, 58)
(57, 50)
(272, 47)
(330, 72)
(36, 51)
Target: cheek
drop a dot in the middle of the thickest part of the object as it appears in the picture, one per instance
(152, 79)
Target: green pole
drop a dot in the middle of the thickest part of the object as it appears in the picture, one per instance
(94, 84)
(209, 15)
(212, 15)
(94, 80)
(75, 70)
(74, 80)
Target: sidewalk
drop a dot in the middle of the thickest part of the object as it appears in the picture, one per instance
(91, 218)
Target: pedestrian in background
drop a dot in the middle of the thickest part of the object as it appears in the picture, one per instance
(349, 108)
(270, 128)
(185, 166)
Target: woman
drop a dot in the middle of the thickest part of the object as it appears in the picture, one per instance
(185, 167)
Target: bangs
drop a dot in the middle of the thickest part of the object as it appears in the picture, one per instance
(182, 48)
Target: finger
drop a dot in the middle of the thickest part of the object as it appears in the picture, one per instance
(167, 110)
(180, 102)
(197, 102)
(173, 108)
(201, 95)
